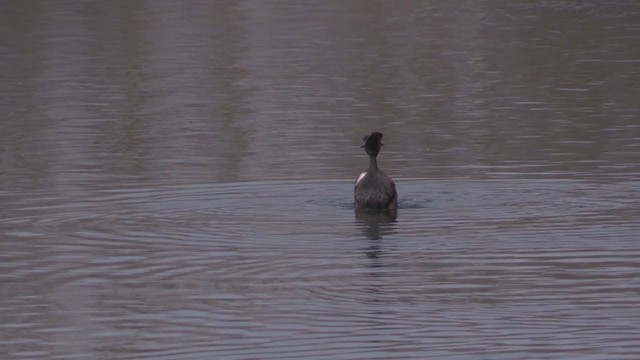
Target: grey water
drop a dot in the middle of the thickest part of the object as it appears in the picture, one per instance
(176, 180)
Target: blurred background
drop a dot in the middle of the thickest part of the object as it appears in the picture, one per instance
(230, 91)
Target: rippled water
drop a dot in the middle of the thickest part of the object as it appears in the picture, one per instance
(176, 180)
(469, 267)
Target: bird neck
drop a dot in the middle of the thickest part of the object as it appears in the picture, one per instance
(373, 164)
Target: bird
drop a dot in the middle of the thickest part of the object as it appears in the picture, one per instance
(373, 189)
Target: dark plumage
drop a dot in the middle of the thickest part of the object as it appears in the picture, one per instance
(374, 189)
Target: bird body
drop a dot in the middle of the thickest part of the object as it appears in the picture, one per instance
(373, 189)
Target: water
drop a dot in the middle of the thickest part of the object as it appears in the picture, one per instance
(176, 180)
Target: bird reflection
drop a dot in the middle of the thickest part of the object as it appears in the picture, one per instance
(375, 225)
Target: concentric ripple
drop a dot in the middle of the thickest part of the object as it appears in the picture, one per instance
(284, 269)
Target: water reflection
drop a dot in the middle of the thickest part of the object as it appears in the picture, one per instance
(374, 226)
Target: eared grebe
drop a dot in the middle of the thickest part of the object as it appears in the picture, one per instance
(374, 189)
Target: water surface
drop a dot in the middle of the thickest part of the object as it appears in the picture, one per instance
(176, 180)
